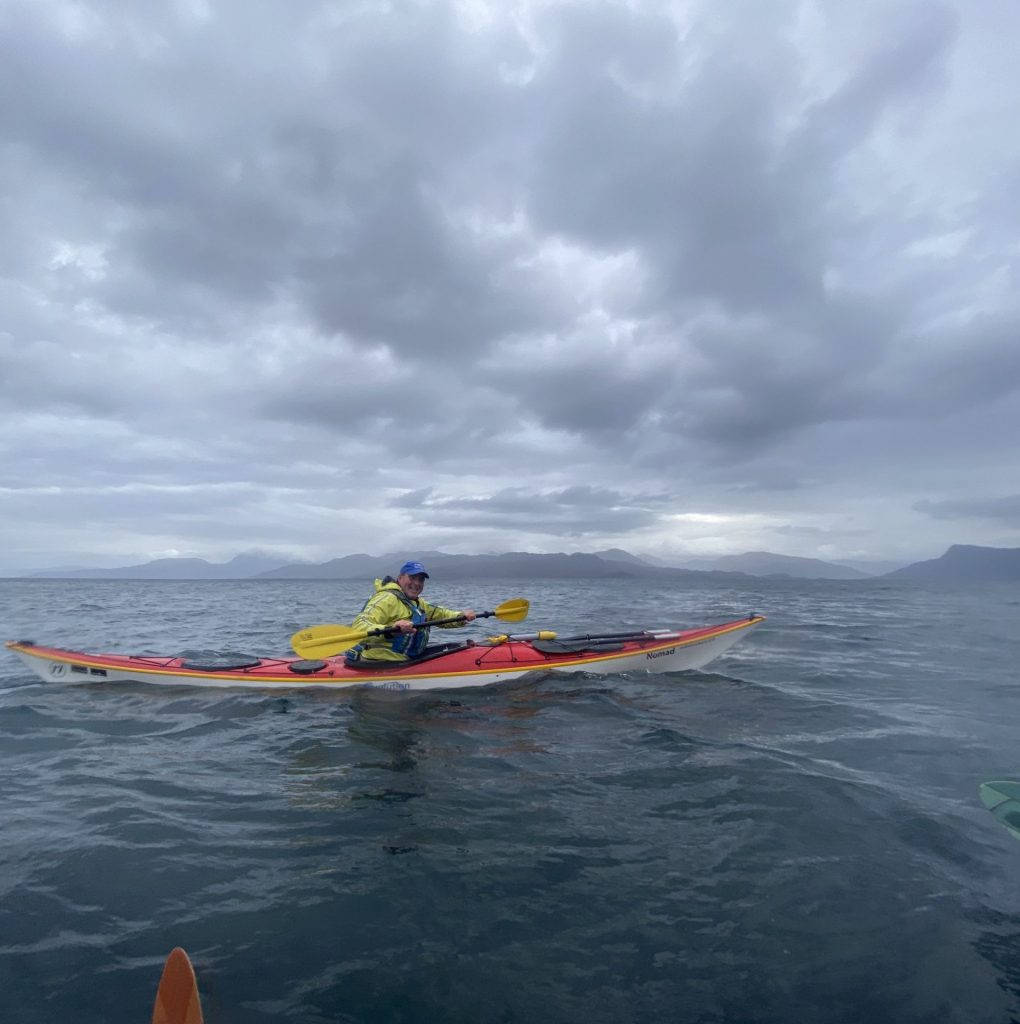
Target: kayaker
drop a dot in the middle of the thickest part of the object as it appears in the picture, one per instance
(397, 604)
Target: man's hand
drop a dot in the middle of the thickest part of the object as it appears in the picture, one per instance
(468, 615)
(403, 626)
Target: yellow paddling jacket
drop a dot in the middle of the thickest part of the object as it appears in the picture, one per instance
(387, 605)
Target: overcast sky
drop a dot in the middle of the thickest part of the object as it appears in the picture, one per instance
(678, 277)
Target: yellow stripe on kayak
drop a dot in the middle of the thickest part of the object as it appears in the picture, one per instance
(290, 680)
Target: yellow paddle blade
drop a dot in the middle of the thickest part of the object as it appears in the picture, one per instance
(513, 610)
(325, 640)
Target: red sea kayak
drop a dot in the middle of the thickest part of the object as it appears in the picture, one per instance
(463, 665)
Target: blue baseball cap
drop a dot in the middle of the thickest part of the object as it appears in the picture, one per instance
(413, 569)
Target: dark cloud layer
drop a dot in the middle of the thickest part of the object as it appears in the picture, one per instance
(1005, 509)
(572, 512)
(708, 279)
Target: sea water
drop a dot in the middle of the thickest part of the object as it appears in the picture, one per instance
(792, 834)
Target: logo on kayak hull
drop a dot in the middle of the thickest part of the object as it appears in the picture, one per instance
(661, 654)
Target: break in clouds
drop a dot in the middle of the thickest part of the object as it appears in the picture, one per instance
(675, 277)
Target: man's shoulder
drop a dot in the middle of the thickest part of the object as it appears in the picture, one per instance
(387, 595)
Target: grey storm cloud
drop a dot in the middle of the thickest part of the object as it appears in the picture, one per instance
(572, 511)
(1006, 510)
(412, 499)
(497, 275)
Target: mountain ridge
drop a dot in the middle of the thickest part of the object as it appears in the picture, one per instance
(243, 566)
(766, 563)
(963, 562)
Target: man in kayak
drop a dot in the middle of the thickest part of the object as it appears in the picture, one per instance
(397, 604)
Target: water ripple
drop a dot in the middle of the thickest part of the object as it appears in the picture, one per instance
(791, 835)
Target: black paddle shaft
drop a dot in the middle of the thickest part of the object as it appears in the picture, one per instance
(390, 631)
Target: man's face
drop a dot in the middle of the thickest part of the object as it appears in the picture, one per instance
(412, 586)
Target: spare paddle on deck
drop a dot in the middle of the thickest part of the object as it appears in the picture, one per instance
(576, 646)
(331, 638)
(505, 638)
(177, 999)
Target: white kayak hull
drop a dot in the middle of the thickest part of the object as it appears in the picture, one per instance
(472, 666)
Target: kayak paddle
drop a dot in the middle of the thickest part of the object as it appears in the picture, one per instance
(505, 638)
(177, 996)
(331, 638)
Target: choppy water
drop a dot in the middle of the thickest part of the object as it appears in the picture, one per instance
(793, 834)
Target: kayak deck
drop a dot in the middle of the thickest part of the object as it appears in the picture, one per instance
(468, 664)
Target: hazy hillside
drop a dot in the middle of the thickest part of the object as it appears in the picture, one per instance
(512, 565)
(965, 563)
(960, 562)
(619, 555)
(238, 568)
(871, 567)
(765, 563)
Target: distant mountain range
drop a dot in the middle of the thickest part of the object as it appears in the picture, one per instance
(966, 563)
(764, 563)
(242, 567)
(961, 562)
(512, 565)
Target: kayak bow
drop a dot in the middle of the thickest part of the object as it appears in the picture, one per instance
(177, 999)
(465, 665)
